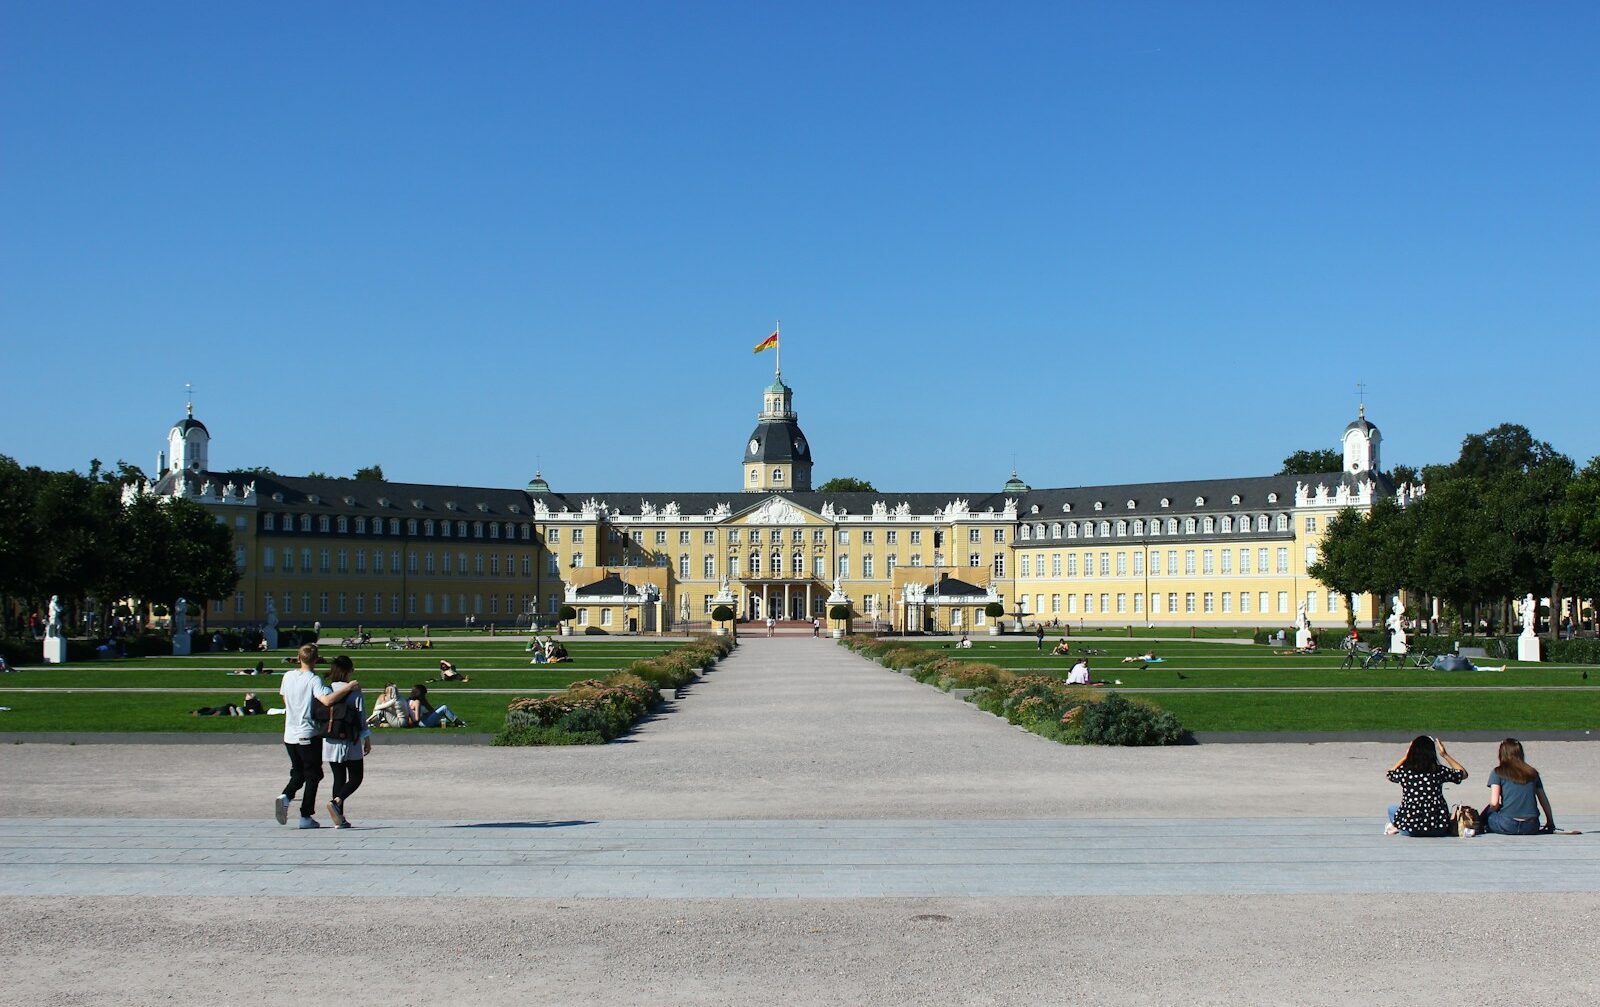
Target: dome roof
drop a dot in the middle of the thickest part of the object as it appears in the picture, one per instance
(779, 441)
(189, 423)
(537, 484)
(1015, 484)
(1360, 423)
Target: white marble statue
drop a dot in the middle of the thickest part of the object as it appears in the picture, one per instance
(1302, 628)
(180, 616)
(838, 588)
(1528, 643)
(52, 626)
(1397, 627)
(272, 613)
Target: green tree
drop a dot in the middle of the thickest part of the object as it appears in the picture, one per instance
(1312, 463)
(1577, 554)
(1404, 474)
(314, 474)
(846, 484)
(1367, 553)
(370, 473)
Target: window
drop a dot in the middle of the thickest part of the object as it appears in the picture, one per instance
(1072, 529)
(1172, 526)
(427, 562)
(1311, 601)
(1072, 604)
(844, 567)
(1025, 567)
(322, 603)
(1055, 529)
(1244, 602)
(1311, 523)
(820, 537)
(427, 527)
(583, 617)
(974, 559)
(1055, 604)
(1055, 564)
(755, 564)
(1072, 564)
(1208, 564)
(605, 617)
(1188, 562)
(819, 565)
(527, 566)
(1283, 602)
(577, 535)
(1227, 602)
(1105, 564)
(270, 522)
(1283, 559)
(1333, 602)
(1209, 525)
(269, 559)
(709, 538)
(999, 564)
(344, 561)
(708, 567)
(891, 536)
(1105, 604)
(1261, 561)
(661, 538)
(322, 561)
(1208, 603)
(1104, 531)
(1172, 562)
(552, 536)
(777, 475)
(638, 538)
(1311, 555)
(1262, 598)
(1024, 533)
(552, 566)
(1227, 524)
(322, 523)
(1282, 523)
(1138, 604)
(1188, 526)
(866, 565)
(305, 522)
(1088, 602)
(844, 536)
(1244, 560)
(1122, 527)
(577, 560)
(238, 603)
(1122, 564)
(916, 538)
(1188, 603)
(1227, 561)
(411, 526)
(494, 532)
(1138, 563)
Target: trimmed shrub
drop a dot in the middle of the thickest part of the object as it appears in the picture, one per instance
(1580, 651)
(1118, 721)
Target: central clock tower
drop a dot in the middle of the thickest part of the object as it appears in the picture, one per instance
(777, 457)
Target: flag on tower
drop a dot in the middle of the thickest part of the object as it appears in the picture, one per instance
(768, 343)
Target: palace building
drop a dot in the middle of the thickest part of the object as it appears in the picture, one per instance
(344, 551)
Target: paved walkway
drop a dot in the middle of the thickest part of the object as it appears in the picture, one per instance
(766, 859)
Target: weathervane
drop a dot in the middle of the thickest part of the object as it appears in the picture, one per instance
(188, 390)
(1361, 397)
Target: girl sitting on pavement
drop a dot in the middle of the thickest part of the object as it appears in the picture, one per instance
(1515, 795)
(1422, 810)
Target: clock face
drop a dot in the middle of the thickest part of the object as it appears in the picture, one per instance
(800, 445)
(755, 445)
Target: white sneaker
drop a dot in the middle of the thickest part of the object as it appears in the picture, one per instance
(1389, 829)
(280, 810)
(309, 823)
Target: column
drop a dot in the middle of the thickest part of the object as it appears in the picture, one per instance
(766, 602)
(786, 613)
(810, 609)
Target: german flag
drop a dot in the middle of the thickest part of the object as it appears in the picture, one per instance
(768, 343)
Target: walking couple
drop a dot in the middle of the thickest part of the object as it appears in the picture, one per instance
(323, 721)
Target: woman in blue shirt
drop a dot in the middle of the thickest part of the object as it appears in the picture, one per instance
(1515, 795)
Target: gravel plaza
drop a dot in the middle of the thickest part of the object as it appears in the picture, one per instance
(800, 818)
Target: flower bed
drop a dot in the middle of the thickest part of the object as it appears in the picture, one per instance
(1047, 706)
(594, 711)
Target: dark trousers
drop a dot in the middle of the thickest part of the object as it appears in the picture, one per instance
(346, 777)
(305, 770)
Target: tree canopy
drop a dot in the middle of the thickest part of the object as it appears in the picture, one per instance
(1312, 462)
(846, 484)
(370, 473)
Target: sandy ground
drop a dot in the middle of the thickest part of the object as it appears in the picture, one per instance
(792, 729)
(1255, 950)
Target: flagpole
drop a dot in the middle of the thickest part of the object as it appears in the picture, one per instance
(777, 330)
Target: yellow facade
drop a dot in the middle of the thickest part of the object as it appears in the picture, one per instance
(345, 552)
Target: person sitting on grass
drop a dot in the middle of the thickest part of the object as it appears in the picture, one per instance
(251, 707)
(5, 666)
(1079, 675)
(557, 653)
(1514, 790)
(1423, 811)
(422, 713)
(448, 673)
(1061, 649)
(388, 710)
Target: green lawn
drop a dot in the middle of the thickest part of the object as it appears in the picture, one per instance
(1411, 713)
(488, 663)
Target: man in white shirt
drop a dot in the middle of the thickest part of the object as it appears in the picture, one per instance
(302, 690)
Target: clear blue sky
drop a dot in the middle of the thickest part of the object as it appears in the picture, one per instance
(1121, 241)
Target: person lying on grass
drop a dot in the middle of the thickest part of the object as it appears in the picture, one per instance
(251, 707)
(1148, 657)
(259, 669)
(449, 673)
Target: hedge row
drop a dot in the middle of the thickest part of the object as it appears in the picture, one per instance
(1072, 715)
(594, 711)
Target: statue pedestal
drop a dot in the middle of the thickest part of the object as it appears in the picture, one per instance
(1302, 639)
(181, 644)
(270, 634)
(55, 650)
(1397, 643)
(1528, 648)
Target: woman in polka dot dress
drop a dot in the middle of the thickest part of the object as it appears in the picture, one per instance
(1422, 810)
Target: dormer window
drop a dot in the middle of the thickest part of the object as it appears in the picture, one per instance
(313, 498)
(349, 501)
(1235, 500)
(1272, 498)
(1165, 502)
(277, 496)
(1132, 505)
(777, 475)
(1066, 508)
(383, 501)
(1199, 501)
(416, 504)
(1099, 505)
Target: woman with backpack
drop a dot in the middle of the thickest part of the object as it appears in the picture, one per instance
(347, 742)
(1422, 810)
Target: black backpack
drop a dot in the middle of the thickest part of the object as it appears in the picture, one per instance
(339, 722)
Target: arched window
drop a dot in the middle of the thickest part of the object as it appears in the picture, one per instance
(1262, 523)
(1155, 526)
(777, 475)
(755, 475)
(1038, 530)
(1210, 525)
(1055, 529)
(1024, 533)
(1188, 526)
(1283, 522)
(1172, 526)
(1105, 529)
(1072, 529)
(1138, 526)
(1227, 524)
(1088, 529)
(797, 565)
(1122, 528)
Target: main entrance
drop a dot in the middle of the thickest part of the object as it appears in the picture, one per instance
(784, 600)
